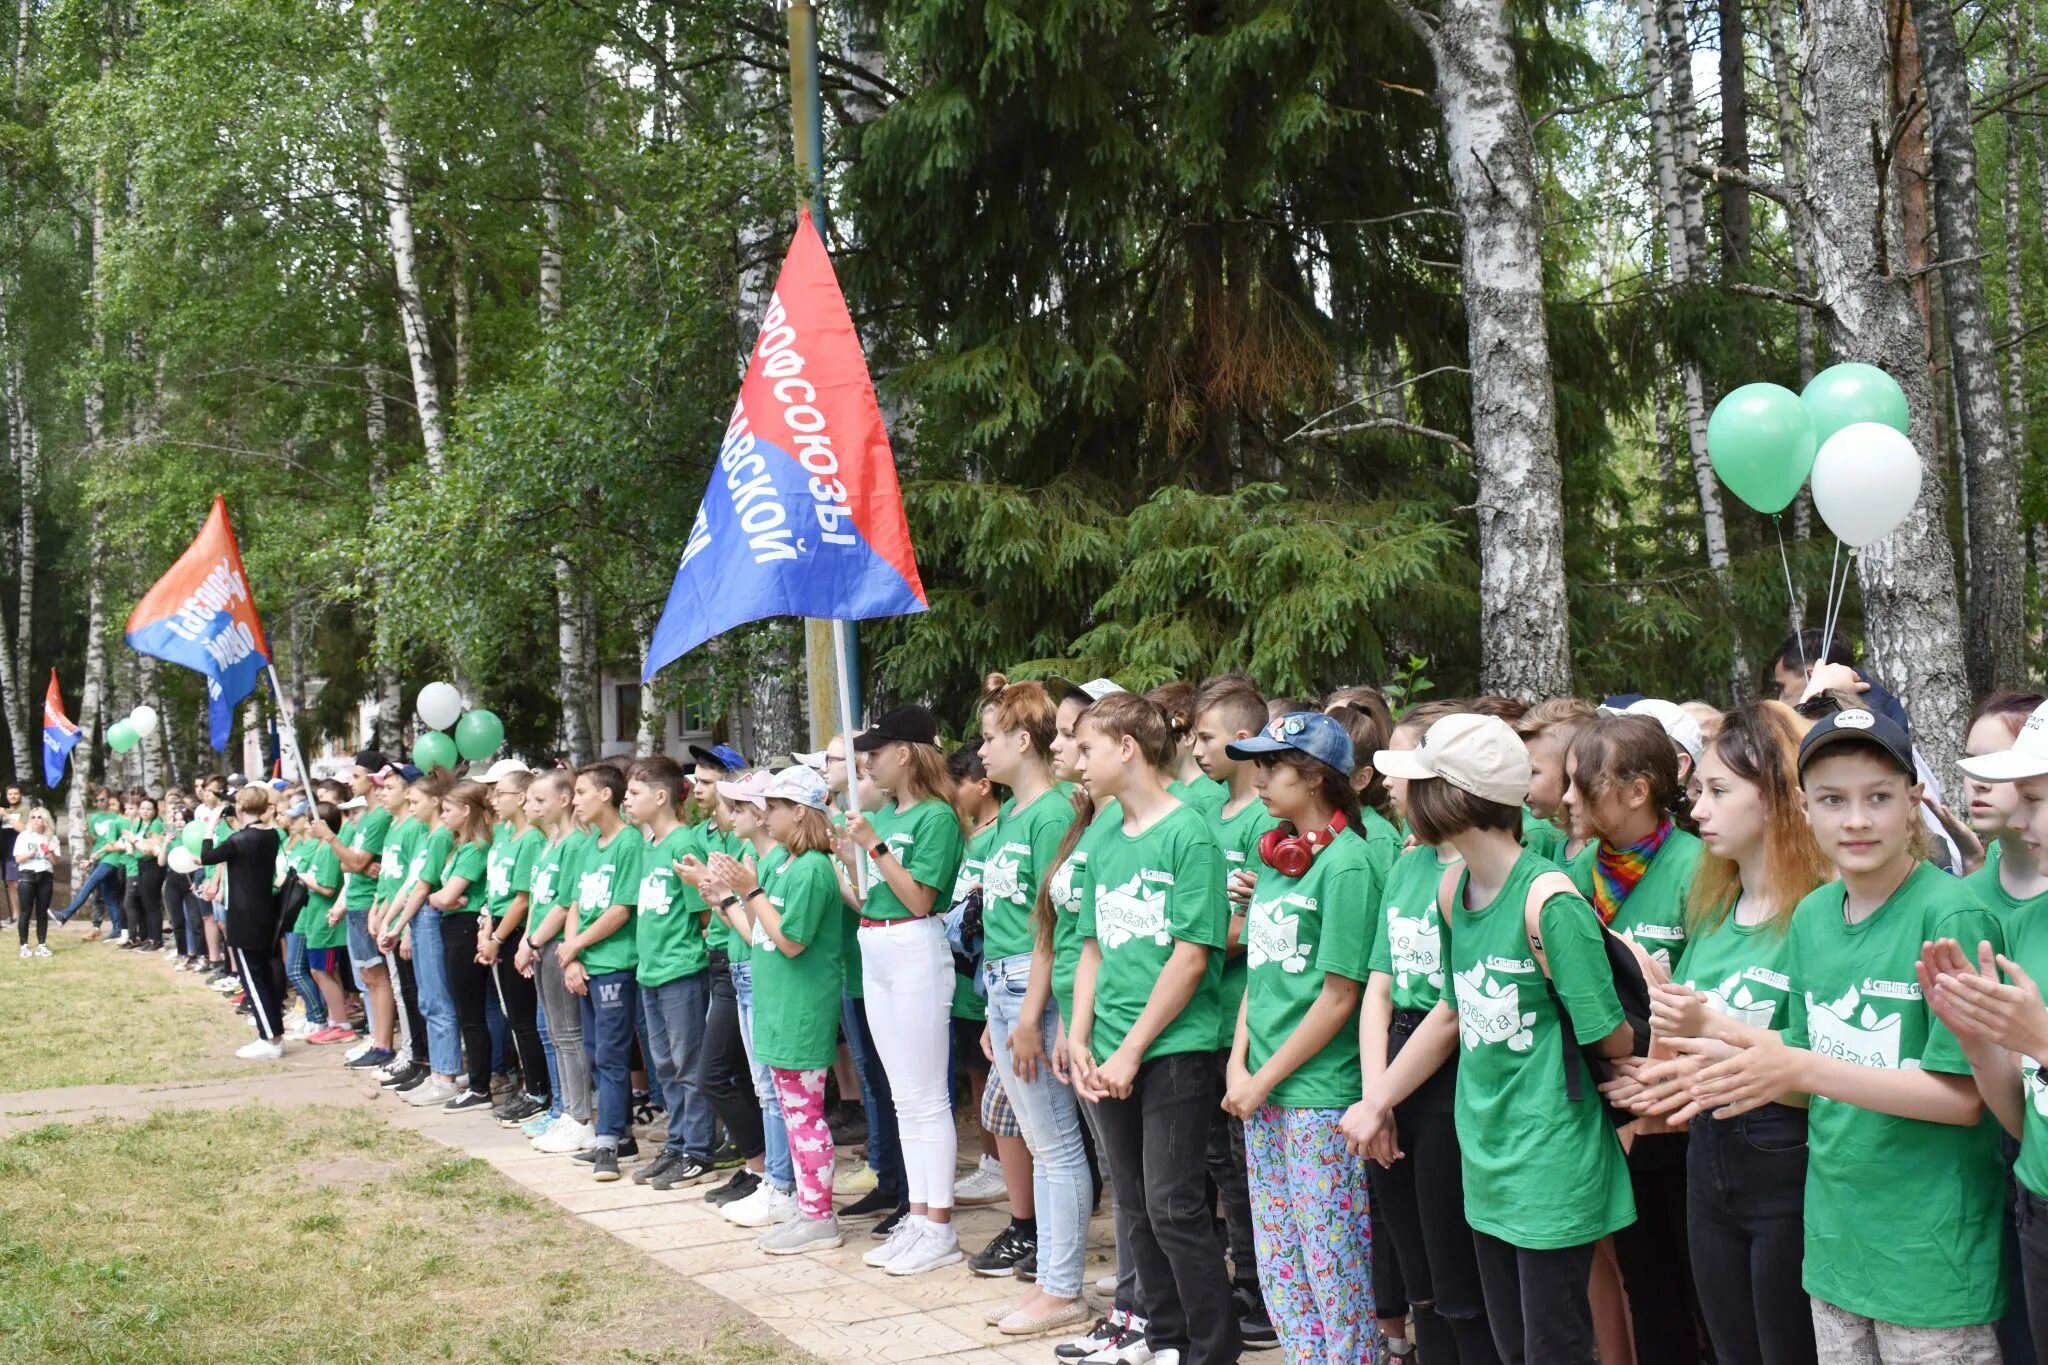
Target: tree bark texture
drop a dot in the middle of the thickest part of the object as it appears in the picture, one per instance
(1734, 134)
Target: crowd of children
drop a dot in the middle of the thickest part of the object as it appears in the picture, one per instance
(1488, 1033)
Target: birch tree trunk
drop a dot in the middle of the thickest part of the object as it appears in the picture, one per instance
(1996, 570)
(1791, 169)
(1734, 134)
(29, 471)
(653, 727)
(14, 676)
(574, 677)
(1908, 579)
(2015, 313)
(1525, 645)
(388, 728)
(396, 189)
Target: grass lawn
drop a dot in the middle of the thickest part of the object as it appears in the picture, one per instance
(93, 1015)
(318, 1235)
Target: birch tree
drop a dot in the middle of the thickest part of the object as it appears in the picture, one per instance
(575, 676)
(1997, 564)
(1525, 644)
(1911, 621)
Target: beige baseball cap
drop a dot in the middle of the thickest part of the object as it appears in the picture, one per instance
(1481, 755)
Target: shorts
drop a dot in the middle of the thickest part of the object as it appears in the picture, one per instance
(361, 947)
(998, 1119)
(323, 959)
(10, 871)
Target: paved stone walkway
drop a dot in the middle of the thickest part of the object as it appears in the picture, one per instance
(826, 1303)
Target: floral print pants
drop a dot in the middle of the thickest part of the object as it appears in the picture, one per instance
(810, 1142)
(1845, 1338)
(1314, 1237)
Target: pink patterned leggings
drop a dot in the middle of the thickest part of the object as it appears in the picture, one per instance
(810, 1142)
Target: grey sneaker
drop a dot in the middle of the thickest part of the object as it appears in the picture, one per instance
(802, 1234)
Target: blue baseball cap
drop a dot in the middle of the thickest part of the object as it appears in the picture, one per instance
(1323, 738)
(719, 756)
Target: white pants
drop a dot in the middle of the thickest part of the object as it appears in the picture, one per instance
(907, 979)
(1845, 1338)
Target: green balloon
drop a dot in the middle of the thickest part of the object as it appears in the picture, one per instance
(194, 839)
(1843, 395)
(433, 750)
(1761, 442)
(478, 735)
(123, 736)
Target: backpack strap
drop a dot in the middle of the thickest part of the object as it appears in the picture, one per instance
(1541, 891)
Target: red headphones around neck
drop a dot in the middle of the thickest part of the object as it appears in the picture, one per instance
(1291, 855)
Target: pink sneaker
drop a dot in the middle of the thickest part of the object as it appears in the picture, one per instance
(333, 1033)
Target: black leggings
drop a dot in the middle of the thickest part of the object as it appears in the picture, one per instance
(142, 902)
(415, 1022)
(520, 1001)
(35, 904)
(468, 980)
(722, 1070)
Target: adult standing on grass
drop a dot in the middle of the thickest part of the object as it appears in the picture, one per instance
(249, 856)
(35, 857)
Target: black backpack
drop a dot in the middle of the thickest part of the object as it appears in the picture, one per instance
(1631, 985)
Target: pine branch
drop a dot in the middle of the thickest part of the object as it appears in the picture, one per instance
(1759, 291)
(1394, 424)
(1917, 271)
(1728, 175)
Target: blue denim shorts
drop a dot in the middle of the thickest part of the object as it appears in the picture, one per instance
(361, 947)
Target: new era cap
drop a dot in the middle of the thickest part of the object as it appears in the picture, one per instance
(1856, 724)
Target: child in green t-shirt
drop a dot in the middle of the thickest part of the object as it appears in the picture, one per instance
(1294, 1062)
(598, 957)
(1147, 1013)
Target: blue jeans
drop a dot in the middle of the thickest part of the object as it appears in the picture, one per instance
(106, 879)
(302, 979)
(675, 1033)
(774, 1136)
(547, 1046)
(885, 1149)
(1061, 1188)
(609, 1012)
(437, 1006)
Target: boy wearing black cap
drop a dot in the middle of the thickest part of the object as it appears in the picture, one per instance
(1895, 1273)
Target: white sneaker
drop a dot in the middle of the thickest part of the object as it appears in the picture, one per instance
(26, 951)
(939, 1246)
(117, 940)
(433, 1090)
(1126, 1348)
(984, 1185)
(1105, 1285)
(906, 1231)
(764, 1208)
(42, 950)
(566, 1138)
(303, 1030)
(262, 1050)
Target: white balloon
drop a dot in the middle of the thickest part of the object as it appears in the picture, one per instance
(439, 705)
(1866, 479)
(182, 862)
(143, 718)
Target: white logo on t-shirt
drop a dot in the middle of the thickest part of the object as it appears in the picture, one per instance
(657, 892)
(1416, 947)
(1734, 1000)
(594, 889)
(1837, 1029)
(1270, 935)
(1490, 1011)
(1001, 879)
(1066, 889)
(1133, 910)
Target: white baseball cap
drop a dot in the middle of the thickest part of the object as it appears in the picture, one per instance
(814, 761)
(753, 789)
(801, 785)
(1481, 755)
(353, 803)
(2028, 756)
(500, 770)
(1679, 726)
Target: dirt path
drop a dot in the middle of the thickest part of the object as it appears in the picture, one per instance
(828, 1304)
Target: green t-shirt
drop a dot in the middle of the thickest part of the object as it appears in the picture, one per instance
(470, 862)
(364, 835)
(425, 855)
(1141, 894)
(608, 874)
(1069, 882)
(401, 839)
(1928, 1252)
(968, 1003)
(553, 879)
(1653, 915)
(325, 864)
(1025, 843)
(796, 999)
(1383, 842)
(1300, 930)
(668, 936)
(118, 857)
(926, 839)
(1238, 836)
(1740, 968)
(2026, 940)
(1205, 794)
(1542, 1171)
(737, 947)
(1407, 939)
(711, 839)
(105, 827)
(153, 830)
(1991, 891)
(1543, 837)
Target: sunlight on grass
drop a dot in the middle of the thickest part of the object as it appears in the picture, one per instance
(85, 1016)
(317, 1235)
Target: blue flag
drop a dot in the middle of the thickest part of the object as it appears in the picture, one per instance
(201, 616)
(803, 516)
(60, 736)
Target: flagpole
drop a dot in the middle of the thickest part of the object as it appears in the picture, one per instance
(288, 733)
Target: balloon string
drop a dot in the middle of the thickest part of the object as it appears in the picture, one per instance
(1791, 593)
(1827, 610)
